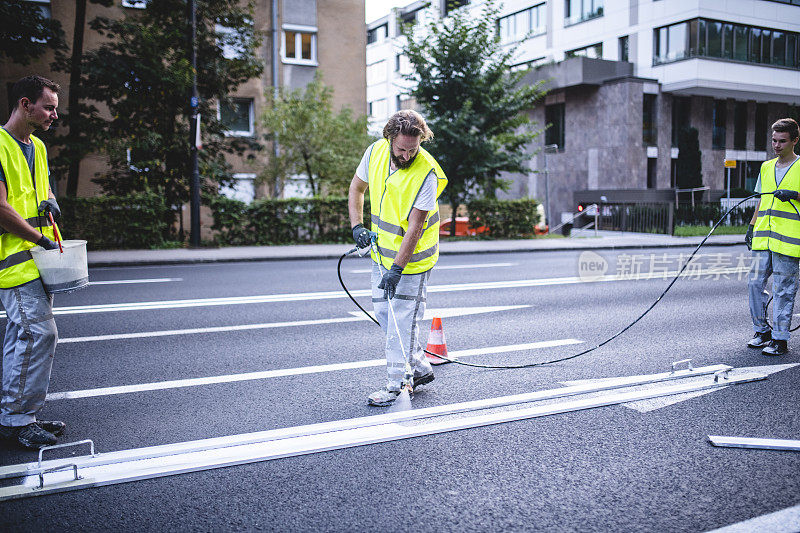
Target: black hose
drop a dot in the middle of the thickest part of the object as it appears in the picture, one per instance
(542, 363)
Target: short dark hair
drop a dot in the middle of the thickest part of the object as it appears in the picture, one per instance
(31, 87)
(787, 125)
(407, 122)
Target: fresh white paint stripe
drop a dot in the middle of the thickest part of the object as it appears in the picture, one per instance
(229, 455)
(327, 295)
(755, 443)
(193, 382)
(357, 316)
(364, 421)
(133, 281)
(784, 521)
(447, 267)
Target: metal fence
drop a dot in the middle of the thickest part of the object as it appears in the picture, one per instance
(635, 217)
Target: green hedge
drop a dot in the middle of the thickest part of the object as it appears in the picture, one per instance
(114, 222)
(506, 219)
(290, 221)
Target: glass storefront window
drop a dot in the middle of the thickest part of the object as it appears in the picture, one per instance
(715, 39)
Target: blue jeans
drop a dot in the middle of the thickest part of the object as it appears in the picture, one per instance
(784, 271)
(28, 350)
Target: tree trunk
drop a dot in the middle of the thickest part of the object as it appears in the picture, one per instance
(74, 97)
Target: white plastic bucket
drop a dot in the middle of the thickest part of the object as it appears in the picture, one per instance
(62, 272)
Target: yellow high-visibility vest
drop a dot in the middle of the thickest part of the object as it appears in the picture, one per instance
(392, 196)
(777, 227)
(25, 192)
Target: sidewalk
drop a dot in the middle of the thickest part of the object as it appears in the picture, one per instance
(580, 240)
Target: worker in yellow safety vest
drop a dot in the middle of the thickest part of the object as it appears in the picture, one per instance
(404, 183)
(25, 201)
(774, 237)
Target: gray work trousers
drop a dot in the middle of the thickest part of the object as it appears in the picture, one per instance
(784, 270)
(28, 350)
(408, 307)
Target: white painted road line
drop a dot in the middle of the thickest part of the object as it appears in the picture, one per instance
(357, 316)
(447, 267)
(134, 281)
(328, 295)
(193, 382)
(784, 521)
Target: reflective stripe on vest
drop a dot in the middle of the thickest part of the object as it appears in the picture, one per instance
(34, 222)
(777, 227)
(392, 196)
(24, 193)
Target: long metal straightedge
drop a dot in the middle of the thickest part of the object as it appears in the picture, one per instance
(758, 444)
(130, 465)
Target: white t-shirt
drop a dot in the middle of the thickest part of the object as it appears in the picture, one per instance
(426, 199)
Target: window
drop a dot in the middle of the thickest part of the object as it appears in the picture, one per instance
(402, 64)
(740, 126)
(299, 45)
(452, 5)
(736, 42)
(242, 188)
(718, 132)
(594, 51)
(135, 4)
(554, 118)
(649, 120)
(652, 172)
(236, 116)
(376, 73)
(762, 127)
(576, 11)
(624, 48)
(518, 26)
(378, 109)
(681, 107)
(378, 34)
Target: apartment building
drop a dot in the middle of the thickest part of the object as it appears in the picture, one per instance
(310, 37)
(624, 76)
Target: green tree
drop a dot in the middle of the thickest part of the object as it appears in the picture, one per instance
(475, 104)
(689, 166)
(143, 77)
(324, 146)
(27, 31)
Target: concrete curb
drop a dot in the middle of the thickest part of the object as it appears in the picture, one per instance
(122, 258)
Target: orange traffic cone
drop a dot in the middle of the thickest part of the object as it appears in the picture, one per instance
(436, 343)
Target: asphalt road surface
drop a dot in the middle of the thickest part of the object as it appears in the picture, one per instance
(130, 341)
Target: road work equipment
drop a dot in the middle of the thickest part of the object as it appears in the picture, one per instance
(588, 350)
(436, 343)
(63, 271)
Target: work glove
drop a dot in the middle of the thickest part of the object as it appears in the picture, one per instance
(785, 195)
(50, 206)
(361, 236)
(748, 237)
(390, 280)
(46, 243)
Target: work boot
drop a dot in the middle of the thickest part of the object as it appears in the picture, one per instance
(422, 379)
(383, 397)
(776, 347)
(56, 427)
(30, 436)
(760, 340)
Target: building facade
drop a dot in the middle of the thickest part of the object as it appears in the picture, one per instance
(625, 76)
(308, 37)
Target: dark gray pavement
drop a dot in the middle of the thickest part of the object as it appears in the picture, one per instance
(608, 469)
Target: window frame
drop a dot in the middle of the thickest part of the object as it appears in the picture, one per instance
(251, 117)
(298, 32)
